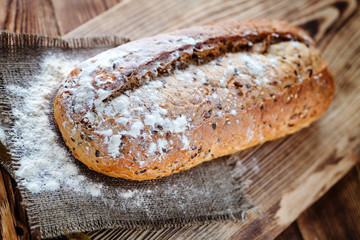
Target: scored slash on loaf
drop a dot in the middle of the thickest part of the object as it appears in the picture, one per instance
(164, 104)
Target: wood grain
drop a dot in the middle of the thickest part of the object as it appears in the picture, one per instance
(300, 168)
(7, 221)
(71, 14)
(337, 214)
(35, 16)
(49, 17)
(16, 208)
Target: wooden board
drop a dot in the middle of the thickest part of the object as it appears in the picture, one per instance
(285, 176)
(7, 221)
(342, 201)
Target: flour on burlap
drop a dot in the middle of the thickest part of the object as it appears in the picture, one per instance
(44, 165)
(2, 136)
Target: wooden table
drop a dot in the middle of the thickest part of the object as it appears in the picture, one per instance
(335, 216)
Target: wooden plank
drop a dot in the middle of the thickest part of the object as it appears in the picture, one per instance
(71, 14)
(17, 210)
(7, 221)
(35, 16)
(337, 214)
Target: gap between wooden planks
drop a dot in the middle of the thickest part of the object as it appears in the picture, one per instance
(328, 21)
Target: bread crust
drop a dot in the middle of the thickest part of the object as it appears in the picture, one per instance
(298, 89)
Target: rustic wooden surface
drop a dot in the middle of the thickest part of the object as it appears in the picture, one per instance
(7, 220)
(324, 153)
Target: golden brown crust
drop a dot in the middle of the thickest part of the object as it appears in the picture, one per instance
(214, 119)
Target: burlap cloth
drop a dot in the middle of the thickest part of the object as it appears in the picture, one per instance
(212, 191)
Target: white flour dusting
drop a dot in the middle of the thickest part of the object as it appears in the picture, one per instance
(128, 193)
(2, 136)
(44, 165)
(255, 167)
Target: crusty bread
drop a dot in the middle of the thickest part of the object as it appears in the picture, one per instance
(164, 104)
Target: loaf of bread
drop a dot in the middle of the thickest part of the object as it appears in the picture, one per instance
(163, 104)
